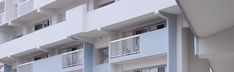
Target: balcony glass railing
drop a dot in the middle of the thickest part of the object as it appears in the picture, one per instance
(73, 58)
(125, 46)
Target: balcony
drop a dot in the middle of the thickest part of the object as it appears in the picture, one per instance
(71, 59)
(48, 35)
(25, 6)
(55, 63)
(125, 46)
(126, 11)
(138, 46)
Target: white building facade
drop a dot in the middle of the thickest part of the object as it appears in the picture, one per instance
(96, 36)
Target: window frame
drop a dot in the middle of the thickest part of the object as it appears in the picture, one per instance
(44, 25)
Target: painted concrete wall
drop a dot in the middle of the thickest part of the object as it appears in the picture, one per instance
(5, 35)
(218, 49)
(124, 10)
(7, 68)
(101, 68)
(144, 62)
(182, 45)
(151, 43)
(73, 25)
(40, 3)
(195, 64)
(25, 7)
(51, 64)
(172, 40)
(102, 42)
(88, 57)
(218, 44)
(9, 9)
(115, 68)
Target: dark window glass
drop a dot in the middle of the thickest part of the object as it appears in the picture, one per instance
(47, 24)
(74, 48)
(137, 71)
(42, 25)
(104, 57)
(161, 26)
(161, 69)
(39, 26)
(107, 3)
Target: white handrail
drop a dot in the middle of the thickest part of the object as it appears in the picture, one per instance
(124, 38)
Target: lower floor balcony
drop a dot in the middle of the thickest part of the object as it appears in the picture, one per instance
(69, 61)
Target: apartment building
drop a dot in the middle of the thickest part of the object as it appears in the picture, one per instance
(96, 36)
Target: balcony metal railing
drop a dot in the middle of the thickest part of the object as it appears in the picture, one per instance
(27, 67)
(73, 58)
(125, 46)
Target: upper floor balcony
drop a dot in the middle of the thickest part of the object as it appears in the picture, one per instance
(149, 40)
(25, 6)
(21, 10)
(125, 11)
(73, 24)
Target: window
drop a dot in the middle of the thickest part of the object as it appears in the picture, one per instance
(140, 31)
(160, 26)
(162, 69)
(102, 3)
(104, 57)
(147, 28)
(69, 49)
(42, 56)
(42, 24)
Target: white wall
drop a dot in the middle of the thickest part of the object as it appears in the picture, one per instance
(47, 35)
(5, 35)
(9, 9)
(40, 3)
(123, 10)
(101, 42)
(101, 68)
(218, 44)
(144, 62)
(151, 43)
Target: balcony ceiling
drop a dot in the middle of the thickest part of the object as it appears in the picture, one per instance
(208, 17)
